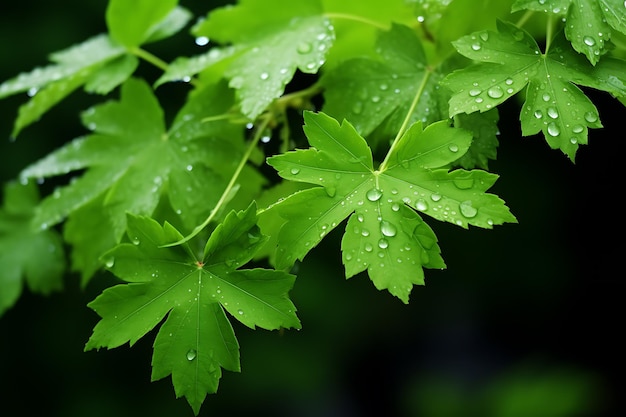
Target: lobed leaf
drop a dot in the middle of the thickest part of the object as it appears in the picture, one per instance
(274, 43)
(196, 340)
(511, 60)
(130, 21)
(384, 234)
(35, 258)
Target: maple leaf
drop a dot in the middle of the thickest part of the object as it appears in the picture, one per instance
(196, 340)
(367, 91)
(511, 60)
(289, 36)
(131, 160)
(35, 257)
(100, 63)
(588, 23)
(384, 234)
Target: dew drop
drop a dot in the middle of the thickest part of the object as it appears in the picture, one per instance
(421, 205)
(578, 129)
(135, 240)
(395, 207)
(109, 262)
(467, 210)
(495, 92)
(240, 312)
(589, 41)
(591, 117)
(474, 92)
(435, 197)
(383, 243)
(368, 247)
(476, 46)
(365, 232)
(374, 194)
(202, 41)
(191, 354)
(553, 113)
(304, 48)
(453, 147)
(553, 129)
(375, 99)
(295, 171)
(573, 141)
(508, 81)
(538, 114)
(264, 76)
(388, 229)
(484, 36)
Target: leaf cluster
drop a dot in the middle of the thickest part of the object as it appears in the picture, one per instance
(399, 110)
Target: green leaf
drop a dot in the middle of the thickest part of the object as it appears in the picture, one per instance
(130, 160)
(484, 129)
(384, 234)
(196, 340)
(183, 68)
(588, 23)
(367, 91)
(176, 20)
(35, 257)
(511, 60)
(131, 22)
(274, 43)
(111, 74)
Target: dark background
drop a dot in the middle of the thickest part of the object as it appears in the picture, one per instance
(526, 321)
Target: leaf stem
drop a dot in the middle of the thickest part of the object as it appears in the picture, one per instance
(407, 119)
(148, 57)
(346, 16)
(522, 20)
(231, 184)
(549, 33)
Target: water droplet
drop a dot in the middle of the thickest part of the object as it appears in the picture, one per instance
(375, 99)
(474, 92)
(368, 247)
(374, 194)
(538, 114)
(109, 262)
(578, 129)
(484, 36)
(388, 229)
(546, 97)
(589, 41)
(240, 312)
(467, 209)
(330, 191)
(395, 207)
(495, 92)
(421, 205)
(264, 76)
(135, 240)
(365, 232)
(553, 113)
(435, 197)
(295, 171)
(384, 86)
(591, 117)
(304, 48)
(360, 217)
(476, 46)
(202, 41)
(383, 243)
(553, 129)
(453, 147)
(573, 141)
(191, 354)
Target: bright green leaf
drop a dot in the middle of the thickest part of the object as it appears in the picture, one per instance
(36, 257)
(484, 129)
(194, 293)
(176, 20)
(131, 22)
(111, 74)
(367, 91)
(132, 160)
(384, 235)
(511, 60)
(274, 43)
(588, 23)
